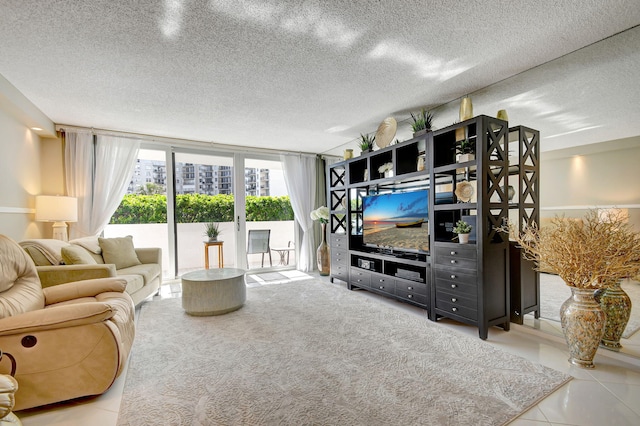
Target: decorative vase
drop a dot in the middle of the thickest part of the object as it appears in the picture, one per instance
(583, 323)
(466, 109)
(420, 164)
(616, 305)
(502, 115)
(388, 173)
(463, 238)
(322, 255)
(419, 132)
(348, 153)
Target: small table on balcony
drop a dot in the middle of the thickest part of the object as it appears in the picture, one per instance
(219, 244)
(284, 253)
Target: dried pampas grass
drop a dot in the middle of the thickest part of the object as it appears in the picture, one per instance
(595, 252)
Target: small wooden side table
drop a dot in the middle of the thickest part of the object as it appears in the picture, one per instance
(208, 244)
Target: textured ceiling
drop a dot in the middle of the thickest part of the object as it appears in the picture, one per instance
(312, 75)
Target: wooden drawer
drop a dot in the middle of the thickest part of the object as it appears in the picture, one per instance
(456, 309)
(460, 288)
(452, 274)
(457, 299)
(458, 257)
(382, 282)
(411, 287)
(339, 241)
(359, 278)
(339, 256)
(411, 295)
(339, 271)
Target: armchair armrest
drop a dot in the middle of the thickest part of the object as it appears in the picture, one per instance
(58, 274)
(86, 288)
(149, 255)
(56, 317)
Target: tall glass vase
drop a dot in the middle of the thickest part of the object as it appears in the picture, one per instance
(582, 322)
(616, 304)
(322, 255)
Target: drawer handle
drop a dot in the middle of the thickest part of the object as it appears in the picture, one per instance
(381, 287)
(453, 261)
(381, 280)
(453, 253)
(453, 277)
(409, 288)
(453, 299)
(454, 285)
(454, 309)
(410, 296)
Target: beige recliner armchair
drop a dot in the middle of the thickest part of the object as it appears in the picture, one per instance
(69, 340)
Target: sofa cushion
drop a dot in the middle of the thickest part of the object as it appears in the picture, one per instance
(89, 243)
(76, 255)
(149, 271)
(119, 251)
(134, 282)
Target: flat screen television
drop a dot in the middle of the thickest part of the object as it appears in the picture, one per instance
(397, 220)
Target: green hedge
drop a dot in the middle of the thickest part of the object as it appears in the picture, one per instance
(197, 208)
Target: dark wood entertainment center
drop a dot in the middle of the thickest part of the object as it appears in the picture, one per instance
(471, 283)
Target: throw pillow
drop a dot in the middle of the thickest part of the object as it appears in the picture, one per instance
(119, 251)
(73, 255)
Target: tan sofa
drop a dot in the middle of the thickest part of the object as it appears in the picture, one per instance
(68, 341)
(81, 259)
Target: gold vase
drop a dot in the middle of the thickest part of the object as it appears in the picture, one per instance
(583, 323)
(466, 109)
(322, 254)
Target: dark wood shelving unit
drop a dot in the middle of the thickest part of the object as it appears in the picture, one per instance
(468, 283)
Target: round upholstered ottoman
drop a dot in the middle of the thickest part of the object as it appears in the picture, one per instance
(213, 291)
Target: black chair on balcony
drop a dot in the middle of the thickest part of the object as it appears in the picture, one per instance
(258, 242)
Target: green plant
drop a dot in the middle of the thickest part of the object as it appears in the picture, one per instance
(422, 120)
(366, 142)
(462, 227)
(212, 229)
(465, 146)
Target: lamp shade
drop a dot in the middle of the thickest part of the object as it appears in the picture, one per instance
(56, 208)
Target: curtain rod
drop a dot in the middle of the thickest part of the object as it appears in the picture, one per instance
(183, 143)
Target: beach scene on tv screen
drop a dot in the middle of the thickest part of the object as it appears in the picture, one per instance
(397, 220)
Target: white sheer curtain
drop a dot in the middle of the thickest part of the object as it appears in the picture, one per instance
(115, 158)
(300, 178)
(78, 160)
(98, 175)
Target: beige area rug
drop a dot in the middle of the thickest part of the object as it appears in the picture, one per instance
(554, 291)
(313, 353)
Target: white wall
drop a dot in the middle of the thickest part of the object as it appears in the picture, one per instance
(20, 177)
(569, 185)
(24, 156)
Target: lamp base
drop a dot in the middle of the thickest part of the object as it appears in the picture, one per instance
(60, 231)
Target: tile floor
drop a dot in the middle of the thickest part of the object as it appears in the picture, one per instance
(608, 394)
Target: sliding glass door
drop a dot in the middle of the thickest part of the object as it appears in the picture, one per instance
(204, 194)
(174, 195)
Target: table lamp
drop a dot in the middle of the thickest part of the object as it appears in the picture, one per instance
(59, 210)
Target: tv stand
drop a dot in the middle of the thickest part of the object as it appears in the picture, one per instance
(406, 280)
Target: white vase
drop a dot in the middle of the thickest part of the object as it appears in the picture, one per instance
(463, 238)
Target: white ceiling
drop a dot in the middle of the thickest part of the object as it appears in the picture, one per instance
(312, 75)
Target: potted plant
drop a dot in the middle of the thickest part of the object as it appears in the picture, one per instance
(212, 230)
(366, 142)
(421, 122)
(463, 229)
(589, 254)
(466, 149)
